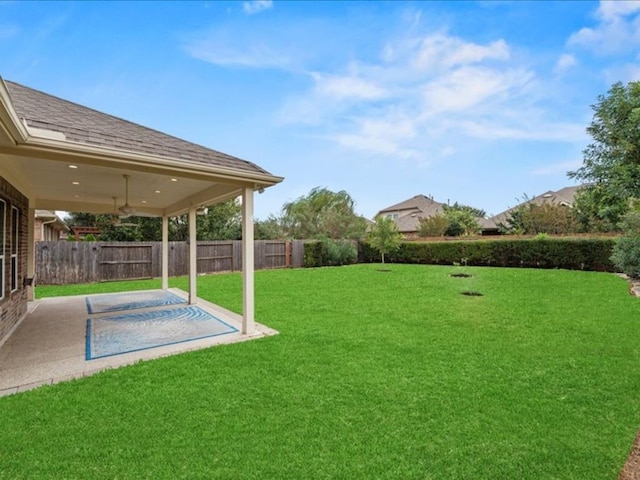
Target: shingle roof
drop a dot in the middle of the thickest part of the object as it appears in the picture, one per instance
(412, 210)
(426, 205)
(86, 126)
(564, 196)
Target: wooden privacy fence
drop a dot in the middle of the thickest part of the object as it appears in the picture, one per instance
(60, 263)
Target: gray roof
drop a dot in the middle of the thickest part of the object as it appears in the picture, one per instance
(427, 205)
(89, 127)
(412, 210)
(564, 196)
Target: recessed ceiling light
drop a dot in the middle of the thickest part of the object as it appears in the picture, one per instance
(73, 166)
(144, 201)
(174, 179)
(76, 196)
(76, 183)
(157, 191)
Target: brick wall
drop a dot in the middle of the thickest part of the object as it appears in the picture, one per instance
(14, 304)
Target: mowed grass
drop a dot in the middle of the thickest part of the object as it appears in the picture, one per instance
(374, 375)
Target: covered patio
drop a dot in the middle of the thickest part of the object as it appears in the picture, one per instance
(58, 155)
(50, 344)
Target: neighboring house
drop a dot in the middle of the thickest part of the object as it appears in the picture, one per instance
(564, 197)
(58, 155)
(407, 214)
(49, 227)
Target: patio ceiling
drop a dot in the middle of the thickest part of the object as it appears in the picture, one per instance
(66, 157)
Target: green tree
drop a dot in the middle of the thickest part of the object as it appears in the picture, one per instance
(532, 219)
(611, 163)
(322, 214)
(434, 226)
(384, 236)
(269, 229)
(463, 220)
(598, 209)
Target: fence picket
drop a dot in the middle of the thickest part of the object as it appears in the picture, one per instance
(60, 263)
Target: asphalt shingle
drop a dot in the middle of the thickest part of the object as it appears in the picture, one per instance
(86, 126)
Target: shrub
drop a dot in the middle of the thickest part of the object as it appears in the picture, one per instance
(330, 253)
(576, 254)
(626, 252)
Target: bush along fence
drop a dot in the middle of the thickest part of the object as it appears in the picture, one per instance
(60, 263)
(573, 254)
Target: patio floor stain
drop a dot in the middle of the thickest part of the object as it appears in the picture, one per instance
(115, 335)
(115, 302)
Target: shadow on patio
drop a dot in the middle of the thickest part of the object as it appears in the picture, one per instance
(60, 340)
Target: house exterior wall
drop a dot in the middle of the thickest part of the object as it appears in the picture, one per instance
(46, 232)
(14, 304)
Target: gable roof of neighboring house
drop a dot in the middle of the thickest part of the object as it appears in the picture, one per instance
(411, 211)
(564, 197)
(79, 124)
(51, 217)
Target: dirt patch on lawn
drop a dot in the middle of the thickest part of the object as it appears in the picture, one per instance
(631, 469)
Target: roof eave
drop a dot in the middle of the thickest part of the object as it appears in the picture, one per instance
(10, 122)
(65, 150)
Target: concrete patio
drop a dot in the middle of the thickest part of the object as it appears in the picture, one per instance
(49, 345)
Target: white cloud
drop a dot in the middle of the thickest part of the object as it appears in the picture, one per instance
(617, 30)
(465, 88)
(442, 51)
(565, 62)
(611, 9)
(253, 52)
(424, 95)
(256, 6)
(339, 86)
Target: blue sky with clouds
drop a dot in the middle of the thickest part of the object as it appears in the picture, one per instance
(476, 102)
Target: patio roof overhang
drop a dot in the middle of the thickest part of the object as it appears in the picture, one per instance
(56, 173)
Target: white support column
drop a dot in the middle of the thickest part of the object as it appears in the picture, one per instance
(31, 257)
(248, 305)
(165, 252)
(193, 260)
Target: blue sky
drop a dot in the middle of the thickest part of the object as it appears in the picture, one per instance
(476, 102)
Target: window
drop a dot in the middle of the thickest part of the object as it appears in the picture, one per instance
(15, 236)
(3, 232)
(392, 216)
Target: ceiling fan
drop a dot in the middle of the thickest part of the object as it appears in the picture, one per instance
(116, 219)
(126, 209)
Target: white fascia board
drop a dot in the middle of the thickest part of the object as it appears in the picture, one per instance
(9, 118)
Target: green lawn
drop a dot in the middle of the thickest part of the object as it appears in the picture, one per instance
(374, 375)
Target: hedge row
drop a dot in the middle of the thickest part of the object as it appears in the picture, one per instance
(574, 254)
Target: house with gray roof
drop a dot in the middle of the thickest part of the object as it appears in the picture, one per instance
(407, 214)
(59, 155)
(564, 197)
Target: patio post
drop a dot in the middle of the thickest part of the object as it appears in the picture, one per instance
(248, 306)
(193, 263)
(165, 252)
(31, 257)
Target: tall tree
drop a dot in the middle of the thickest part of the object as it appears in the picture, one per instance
(611, 163)
(323, 214)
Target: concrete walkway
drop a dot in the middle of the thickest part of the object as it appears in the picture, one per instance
(48, 346)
